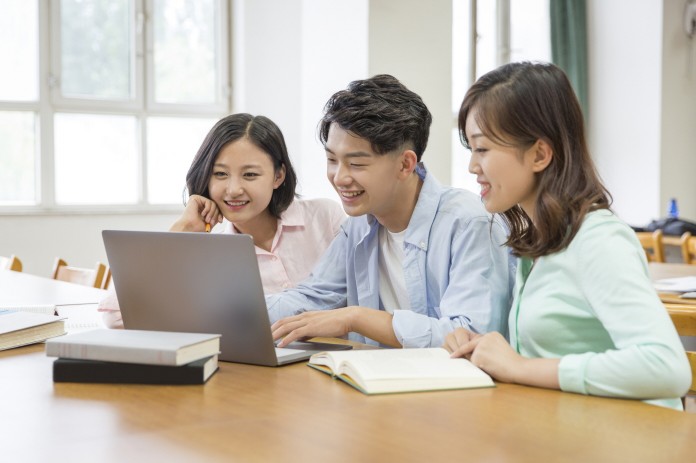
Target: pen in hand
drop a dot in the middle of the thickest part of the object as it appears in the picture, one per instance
(207, 227)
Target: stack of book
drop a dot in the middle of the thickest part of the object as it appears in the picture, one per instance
(134, 357)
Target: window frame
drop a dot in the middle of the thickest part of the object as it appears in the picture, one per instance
(50, 103)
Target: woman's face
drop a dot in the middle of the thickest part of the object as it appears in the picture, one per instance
(506, 174)
(242, 182)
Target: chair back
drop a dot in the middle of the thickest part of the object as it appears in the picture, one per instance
(11, 263)
(107, 278)
(652, 245)
(93, 277)
(688, 248)
(684, 319)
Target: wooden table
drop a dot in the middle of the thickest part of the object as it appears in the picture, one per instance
(19, 288)
(294, 413)
(659, 271)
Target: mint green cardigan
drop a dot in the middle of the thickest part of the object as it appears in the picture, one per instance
(593, 306)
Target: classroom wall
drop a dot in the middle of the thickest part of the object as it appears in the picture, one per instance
(412, 40)
(643, 106)
(678, 110)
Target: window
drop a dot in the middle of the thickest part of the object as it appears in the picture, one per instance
(113, 111)
(506, 31)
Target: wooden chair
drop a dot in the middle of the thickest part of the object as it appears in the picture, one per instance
(107, 278)
(652, 244)
(83, 276)
(684, 319)
(688, 248)
(11, 263)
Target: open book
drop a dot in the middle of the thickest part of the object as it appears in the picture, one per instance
(400, 370)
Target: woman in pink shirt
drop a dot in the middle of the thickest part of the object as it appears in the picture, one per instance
(242, 178)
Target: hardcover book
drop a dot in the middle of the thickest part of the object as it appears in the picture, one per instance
(94, 371)
(400, 370)
(135, 346)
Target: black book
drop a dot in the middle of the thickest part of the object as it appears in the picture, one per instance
(94, 371)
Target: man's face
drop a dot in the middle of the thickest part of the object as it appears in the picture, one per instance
(365, 181)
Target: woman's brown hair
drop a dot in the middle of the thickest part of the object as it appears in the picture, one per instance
(517, 104)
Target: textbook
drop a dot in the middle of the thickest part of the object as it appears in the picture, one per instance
(95, 371)
(19, 328)
(135, 346)
(400, 370)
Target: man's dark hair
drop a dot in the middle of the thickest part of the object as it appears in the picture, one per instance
(382, 111)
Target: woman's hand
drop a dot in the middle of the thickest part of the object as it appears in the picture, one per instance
(458, 338)
(199, 211)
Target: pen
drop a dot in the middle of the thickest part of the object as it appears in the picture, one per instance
(207, 228)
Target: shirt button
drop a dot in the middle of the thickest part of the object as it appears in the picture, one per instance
(286, 285)
(274, 258)
(422, 245)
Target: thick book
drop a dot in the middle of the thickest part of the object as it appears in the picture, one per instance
(19, 328)
(94, 371)
(401, 370)
(135, 346)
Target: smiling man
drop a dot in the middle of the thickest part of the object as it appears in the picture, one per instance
(416, 259)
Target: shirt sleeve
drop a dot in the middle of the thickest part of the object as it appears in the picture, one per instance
(648, 361)
(324, 288)
(479, 272)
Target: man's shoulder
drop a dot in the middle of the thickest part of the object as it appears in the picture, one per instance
(462, 204)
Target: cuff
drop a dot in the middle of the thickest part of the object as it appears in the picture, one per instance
(411, 330)
(571, 372)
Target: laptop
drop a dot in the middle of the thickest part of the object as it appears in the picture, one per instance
(201, 283)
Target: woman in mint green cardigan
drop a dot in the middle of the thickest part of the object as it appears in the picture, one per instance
(585, 317)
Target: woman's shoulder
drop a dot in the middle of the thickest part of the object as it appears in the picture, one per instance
(601, 230)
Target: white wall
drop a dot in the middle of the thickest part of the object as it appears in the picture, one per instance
(412, 40)
(643, 106)
(678, 111)
(38, 239)
(289, 58)
(624, 102)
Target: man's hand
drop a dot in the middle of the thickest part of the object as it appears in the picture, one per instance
(324, 323)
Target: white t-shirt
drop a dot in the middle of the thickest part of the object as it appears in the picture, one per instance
(392, 284)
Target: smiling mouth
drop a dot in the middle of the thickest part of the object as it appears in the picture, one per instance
(236, 203)
(351, 194)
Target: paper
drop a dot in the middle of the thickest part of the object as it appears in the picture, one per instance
(677, 285)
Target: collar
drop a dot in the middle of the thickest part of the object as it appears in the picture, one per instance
(420, 224)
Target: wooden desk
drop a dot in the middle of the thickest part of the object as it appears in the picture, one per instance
(293, 413)
(18, 288)
(659, 271)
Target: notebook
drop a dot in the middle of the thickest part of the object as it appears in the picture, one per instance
(201, 283)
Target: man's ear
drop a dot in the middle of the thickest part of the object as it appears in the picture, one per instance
(543, 155)
(409, 161)
(279, 177)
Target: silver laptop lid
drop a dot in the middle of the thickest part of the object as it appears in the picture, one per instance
(193, 282)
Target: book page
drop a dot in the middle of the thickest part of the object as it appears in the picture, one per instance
(420, 367)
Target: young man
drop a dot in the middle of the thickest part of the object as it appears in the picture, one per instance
(415, 260)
